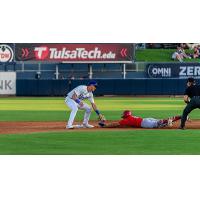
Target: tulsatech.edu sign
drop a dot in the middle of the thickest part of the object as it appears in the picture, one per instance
(172, 70)
(100, 52)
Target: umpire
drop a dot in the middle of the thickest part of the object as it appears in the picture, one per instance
(191, 98)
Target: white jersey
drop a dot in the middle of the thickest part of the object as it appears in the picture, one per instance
(82, 93)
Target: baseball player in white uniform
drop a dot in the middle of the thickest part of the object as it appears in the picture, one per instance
(74, 101)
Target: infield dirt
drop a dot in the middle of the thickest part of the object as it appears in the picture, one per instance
(32, 127)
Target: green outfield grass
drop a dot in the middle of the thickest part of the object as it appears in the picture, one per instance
(97, 142)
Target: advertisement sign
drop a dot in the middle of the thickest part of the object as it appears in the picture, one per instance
(75, 52)
(173, 70)
(8, 83)
(6, 53)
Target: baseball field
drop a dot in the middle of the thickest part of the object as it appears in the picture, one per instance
(36, 126)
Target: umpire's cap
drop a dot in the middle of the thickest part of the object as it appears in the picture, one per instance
(94, 83)
(191, 80)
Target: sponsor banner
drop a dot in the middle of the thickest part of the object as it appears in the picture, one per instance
(74, 52)
(173, 70)
(6, 53)
(8, 83)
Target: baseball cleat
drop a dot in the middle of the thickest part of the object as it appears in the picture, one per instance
(69, 127)
(88, 126)
(175, 118)
(170, 122)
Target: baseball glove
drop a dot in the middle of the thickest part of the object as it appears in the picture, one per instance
(102, 118)
(102, 124)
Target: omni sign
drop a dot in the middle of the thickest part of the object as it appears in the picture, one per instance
(164, 72)
(156, 72)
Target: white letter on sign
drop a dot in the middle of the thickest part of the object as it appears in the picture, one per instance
(40, 50)
(182, 72)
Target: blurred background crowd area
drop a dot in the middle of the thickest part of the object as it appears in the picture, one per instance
(167, 52)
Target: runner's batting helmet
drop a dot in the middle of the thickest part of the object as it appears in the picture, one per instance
(126, 113)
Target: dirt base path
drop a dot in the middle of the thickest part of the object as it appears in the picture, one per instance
(31, 127)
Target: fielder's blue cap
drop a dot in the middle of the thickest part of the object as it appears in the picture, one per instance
(94, 83)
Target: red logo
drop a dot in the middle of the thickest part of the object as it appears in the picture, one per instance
(41, 52)
(6, 53)
(25, 52)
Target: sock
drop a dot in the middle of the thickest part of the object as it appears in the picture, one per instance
(176, 118)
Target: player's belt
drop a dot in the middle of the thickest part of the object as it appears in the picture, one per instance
(67, 97)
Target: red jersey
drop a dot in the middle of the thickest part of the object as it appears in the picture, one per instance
(131, 121)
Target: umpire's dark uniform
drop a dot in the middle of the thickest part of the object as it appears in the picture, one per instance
(193, 92)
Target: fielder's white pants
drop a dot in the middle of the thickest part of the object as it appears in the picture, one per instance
(74, 108)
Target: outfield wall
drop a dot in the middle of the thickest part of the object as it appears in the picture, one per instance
(106, 87)
(7, 83)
